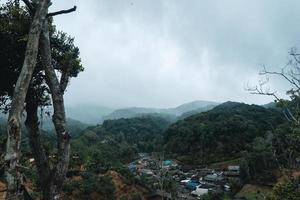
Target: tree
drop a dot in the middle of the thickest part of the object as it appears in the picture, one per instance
(290, 73)
(291, 106)
(12, 174)
(63, 57)
(285, 191)
(286, 144)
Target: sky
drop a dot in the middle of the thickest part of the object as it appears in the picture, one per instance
(162, 53)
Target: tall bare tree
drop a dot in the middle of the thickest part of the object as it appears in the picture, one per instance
(51, 176)
(12, 156)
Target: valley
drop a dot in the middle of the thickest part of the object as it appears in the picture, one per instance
(217, 153)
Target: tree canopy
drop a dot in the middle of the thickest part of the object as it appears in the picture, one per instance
(14, 27)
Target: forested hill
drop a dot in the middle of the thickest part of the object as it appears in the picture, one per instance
(144, 134)
(221, 133)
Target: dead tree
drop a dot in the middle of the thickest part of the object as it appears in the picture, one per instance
(291, 108)
(290, 73)
(12, 173)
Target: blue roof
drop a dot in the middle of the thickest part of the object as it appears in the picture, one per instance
(192, 184)
(167, 162)
(132, 167)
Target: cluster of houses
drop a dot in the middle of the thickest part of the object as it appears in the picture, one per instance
(193, 183)
(217, 181)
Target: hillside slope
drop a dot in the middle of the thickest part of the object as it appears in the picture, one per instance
(221, 133)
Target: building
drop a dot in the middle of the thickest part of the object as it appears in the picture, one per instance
(213, 178)
(233, 170)
(199, 192)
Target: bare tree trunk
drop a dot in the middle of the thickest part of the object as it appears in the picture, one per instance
(12, 174)
(58, 174)
(40, 156)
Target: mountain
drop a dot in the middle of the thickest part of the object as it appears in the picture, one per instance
(270, 105)
(196, 106)
(221, 133)
(90, 114)
(74, 126)
(129, 112)
(196, 111)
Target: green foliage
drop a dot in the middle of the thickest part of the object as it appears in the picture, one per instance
(143, 132)
(221, 133)
(279, 149)
(92, 183)
(102, 158)
(101, 184)
(286, 191)
(14, 27)
(136, 197)
(70, 185)
(261, 160)
(104, 146)
(212, 196)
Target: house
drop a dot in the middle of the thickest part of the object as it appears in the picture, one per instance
(132, 167)
(192, 184)
(199, 192)
(233, 170)
(146, 171)
(143, 155)
(213, 178)
(169, 163)
(185, 181)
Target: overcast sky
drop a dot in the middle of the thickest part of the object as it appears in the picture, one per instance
(161, 53)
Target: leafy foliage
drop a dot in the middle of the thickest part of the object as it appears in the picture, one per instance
(286, 191)
(221, 133)
(92, 183)
(14, 27)
(122, 139)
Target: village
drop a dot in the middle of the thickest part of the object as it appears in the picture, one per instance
(186, 182)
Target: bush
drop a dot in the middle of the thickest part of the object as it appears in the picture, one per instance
(70, 186)
(93, 183)
(136, 197)
(287, 191)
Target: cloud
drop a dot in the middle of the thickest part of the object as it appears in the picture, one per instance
(164, 53)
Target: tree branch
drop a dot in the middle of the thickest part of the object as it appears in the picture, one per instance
(295, 57)
(290, 80)
(29, 6)
(23, 167)
(62, 12)
(64, 80)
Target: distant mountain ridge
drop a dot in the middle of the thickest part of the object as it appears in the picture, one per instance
(90, 114)
(94, 114)
(196, 106)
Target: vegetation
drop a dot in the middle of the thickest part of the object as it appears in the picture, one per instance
(222, 133)
(286, 191)
(33, 53)
(140, 134)
(28, 77)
